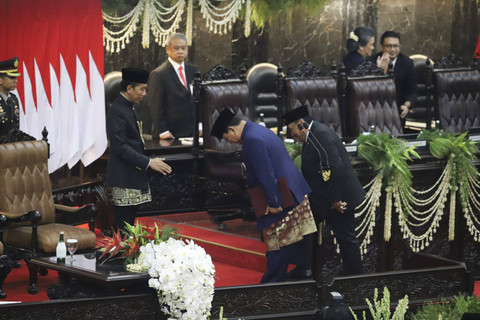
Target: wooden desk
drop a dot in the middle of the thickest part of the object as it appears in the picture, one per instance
(93, 279)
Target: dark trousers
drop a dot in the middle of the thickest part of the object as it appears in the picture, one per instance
(277, 264)
(122, 215)
(343, 226)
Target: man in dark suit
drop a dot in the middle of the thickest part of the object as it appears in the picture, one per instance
(267, 161)
(170, 92)
(336, 190)
(127, 165)
(9, 111)
(405, 79)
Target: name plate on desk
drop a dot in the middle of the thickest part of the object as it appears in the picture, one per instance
(417, 143)
(351, 149)
(474, 137)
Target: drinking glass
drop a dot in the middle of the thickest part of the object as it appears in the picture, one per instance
(72, 247)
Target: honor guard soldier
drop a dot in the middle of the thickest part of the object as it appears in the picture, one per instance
(9, 110)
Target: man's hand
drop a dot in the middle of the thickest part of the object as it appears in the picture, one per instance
(157, 164)
(403, 111)
(383, 61)
(166, 135)
(273, 210)
(339, 206)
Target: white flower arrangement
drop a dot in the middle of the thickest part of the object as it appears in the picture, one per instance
(183, 275)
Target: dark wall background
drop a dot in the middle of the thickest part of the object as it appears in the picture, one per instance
(431, 27)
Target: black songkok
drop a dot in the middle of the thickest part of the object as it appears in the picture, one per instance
(135, 75)
(295, 114)
(222, 123)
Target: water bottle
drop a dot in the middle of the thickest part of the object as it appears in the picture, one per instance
(61, 249)
(261, 121)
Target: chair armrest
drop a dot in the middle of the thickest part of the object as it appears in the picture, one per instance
(223, 156)
(34, 216)
(67, 213)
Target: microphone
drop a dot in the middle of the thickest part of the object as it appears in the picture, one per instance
(305, 126)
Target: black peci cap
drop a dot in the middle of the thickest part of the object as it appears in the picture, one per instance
(135, 75)
(295, 114)
(221, 124)
(9, 67)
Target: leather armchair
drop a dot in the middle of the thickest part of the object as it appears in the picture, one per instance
(457, 98)
(371, 102)
(26, 201)
(112, 87)
(5, 262)
(222, 159)
(262, 89)
(419, 109)
(320, 96)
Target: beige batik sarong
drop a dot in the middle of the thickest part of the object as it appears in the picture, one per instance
(130, 197)
(297, 223)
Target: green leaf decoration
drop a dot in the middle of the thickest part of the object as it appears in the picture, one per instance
(389, 155)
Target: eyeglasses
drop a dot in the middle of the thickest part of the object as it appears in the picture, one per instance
(391, 46)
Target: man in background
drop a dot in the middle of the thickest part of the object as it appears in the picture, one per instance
(405, 79)
(170, 94)
(9, 111)
(127, 165)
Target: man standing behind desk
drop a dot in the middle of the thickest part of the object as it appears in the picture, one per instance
(9, 112)
(127, 165)
(336, 190)
(405, 79)
(267, 162)
(169, 93)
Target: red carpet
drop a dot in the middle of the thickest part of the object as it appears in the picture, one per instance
(237, 253)
(238, 260)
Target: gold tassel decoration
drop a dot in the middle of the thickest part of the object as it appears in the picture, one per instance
(387, 227)
(451, 220)
(248, 14)
(189, 31)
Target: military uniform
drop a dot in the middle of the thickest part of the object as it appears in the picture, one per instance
(9, 111)
(9, 114)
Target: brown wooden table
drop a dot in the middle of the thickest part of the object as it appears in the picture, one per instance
(85, 277)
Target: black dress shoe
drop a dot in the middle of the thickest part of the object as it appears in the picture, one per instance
(299, 274)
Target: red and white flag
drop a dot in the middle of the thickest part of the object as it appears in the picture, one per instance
(60, 48)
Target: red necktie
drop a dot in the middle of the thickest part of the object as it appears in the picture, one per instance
(180, 70)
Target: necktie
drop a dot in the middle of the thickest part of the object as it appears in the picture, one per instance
(184, 82)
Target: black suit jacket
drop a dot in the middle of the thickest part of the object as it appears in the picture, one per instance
(9, 115)
(405, 79)
(171, 105)
(343, 184)
(127, 165)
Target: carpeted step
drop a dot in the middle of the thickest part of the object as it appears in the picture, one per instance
(225, 248)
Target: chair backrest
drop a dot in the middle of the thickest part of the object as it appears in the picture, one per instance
(214, 98)
(419, 110)
(371, 102)
(220, 160)
(24, 180)
(262, 80)
(320, 96)
(112, 87)
(457, 98)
